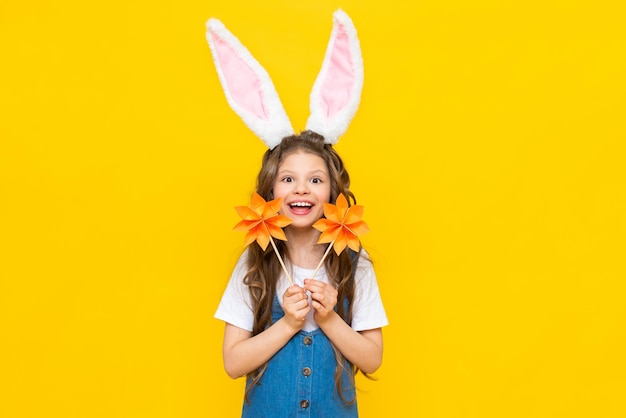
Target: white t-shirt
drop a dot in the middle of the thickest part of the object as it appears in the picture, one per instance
(367, 308)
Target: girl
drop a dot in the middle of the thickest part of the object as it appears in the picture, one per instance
(299, 345)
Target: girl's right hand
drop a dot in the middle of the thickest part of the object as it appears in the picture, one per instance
(296, 306)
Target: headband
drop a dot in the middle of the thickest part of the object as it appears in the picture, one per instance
(251, 94)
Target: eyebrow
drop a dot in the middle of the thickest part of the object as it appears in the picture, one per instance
(309, 173)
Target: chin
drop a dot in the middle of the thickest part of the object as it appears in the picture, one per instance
(302, 224)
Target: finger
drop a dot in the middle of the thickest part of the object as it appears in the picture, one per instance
(314, 283)
(302, 304)
(327, 290)
(320, 308)
(301, 312)
(294, 290)
(314, 286)
(317, 306)
(318, 297)
(301, 295)
(293, 304)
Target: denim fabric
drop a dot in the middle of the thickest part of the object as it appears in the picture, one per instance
(299, 380)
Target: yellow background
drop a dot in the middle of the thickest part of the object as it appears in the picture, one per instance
(488, 152)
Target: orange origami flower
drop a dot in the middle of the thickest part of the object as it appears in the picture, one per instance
(262, 221)
(342, 225)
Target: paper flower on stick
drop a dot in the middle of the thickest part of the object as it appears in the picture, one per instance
(261, 221)
(342, 225)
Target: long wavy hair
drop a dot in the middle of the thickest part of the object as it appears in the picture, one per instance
(263, 266)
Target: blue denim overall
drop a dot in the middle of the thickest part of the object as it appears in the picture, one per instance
(300, 380)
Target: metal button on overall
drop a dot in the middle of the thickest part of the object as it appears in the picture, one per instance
(306, 371)
(304, 404)
(308, 340)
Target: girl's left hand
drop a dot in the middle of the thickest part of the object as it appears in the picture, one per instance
(323, 299)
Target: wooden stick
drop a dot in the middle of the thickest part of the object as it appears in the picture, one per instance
(281, 260)
(323, 258)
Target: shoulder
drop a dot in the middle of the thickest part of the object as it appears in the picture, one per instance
(235, 306)
(364, 275)
(364, 264)
(368, 310)
(242, 263)
(236, 287)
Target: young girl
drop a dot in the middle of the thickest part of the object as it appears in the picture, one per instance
(299, 345)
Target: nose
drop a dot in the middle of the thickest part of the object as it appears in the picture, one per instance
(302, 187)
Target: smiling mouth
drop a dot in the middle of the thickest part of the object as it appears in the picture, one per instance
(300, 208)
(300, 205)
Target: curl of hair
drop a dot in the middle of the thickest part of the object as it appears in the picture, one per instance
(263, 266)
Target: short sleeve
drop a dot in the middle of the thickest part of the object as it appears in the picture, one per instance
(235, 306)
(368, 311)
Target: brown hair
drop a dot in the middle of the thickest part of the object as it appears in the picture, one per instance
(263, 266)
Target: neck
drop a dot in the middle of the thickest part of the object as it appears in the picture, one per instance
(304, 251)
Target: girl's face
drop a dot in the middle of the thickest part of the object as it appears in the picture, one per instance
(304, 185)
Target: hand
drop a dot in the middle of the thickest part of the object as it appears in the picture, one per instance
(296, 306)
(324, 299)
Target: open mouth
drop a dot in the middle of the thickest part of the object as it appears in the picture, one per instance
(300, 208)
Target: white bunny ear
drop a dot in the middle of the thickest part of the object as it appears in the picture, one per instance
(337, 90)
(248, 88)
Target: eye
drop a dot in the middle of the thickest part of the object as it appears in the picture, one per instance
(287, 179)
(316, 180)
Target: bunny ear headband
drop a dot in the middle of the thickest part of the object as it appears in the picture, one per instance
(251, 94)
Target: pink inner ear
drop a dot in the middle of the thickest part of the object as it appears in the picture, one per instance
(335, 89)
(242, 83)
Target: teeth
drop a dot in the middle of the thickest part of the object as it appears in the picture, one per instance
(301, 204)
